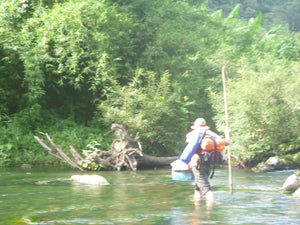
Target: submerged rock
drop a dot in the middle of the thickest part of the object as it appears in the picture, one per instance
(89, 179)
(292, 183)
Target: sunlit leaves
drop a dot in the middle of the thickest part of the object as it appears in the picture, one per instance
(72, 43)
(147, 104)
(234, 12)
(264, 108)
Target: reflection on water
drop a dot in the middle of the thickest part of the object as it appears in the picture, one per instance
(45, 196)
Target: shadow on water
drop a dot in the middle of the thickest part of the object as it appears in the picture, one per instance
(46, 196)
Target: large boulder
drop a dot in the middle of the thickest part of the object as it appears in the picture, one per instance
(89, 180)
(272, 164)
(292, 183)
(296, 194)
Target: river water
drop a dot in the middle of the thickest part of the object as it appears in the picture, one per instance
(46, 196)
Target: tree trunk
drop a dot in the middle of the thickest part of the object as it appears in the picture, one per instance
(147, 160)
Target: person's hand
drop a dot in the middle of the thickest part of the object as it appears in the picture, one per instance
(227, 133)
(227, 136)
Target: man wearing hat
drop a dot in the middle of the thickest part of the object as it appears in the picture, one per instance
(201, 171)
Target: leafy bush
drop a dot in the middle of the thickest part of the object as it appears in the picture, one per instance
(18, 145)
(264, 108)
(148, 106)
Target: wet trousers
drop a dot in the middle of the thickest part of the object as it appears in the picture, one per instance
(201, 175)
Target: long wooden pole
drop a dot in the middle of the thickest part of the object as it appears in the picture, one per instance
(227, 128)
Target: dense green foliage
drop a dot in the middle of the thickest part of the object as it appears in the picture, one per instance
(276, 12)
(71, 68)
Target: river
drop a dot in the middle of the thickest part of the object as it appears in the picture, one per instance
(46, 196)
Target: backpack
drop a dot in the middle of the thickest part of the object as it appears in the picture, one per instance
(208, 143)
(210, 151)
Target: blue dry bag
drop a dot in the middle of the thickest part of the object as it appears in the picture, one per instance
(190, 149)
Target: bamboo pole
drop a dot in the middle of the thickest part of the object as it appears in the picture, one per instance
(227, 127)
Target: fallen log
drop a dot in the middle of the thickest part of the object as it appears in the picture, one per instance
(147, 160)
(125, 153)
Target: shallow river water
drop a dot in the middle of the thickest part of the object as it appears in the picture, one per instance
(45, 196)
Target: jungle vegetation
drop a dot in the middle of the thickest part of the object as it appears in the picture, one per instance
(71, 68)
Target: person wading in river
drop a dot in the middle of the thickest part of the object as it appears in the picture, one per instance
(201, 159)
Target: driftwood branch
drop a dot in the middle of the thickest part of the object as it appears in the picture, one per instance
(125, 153)
(56, 151)
(75, 154)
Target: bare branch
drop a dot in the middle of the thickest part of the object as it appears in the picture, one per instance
(125, 153)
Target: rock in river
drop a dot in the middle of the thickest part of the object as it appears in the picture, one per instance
(292, 183)
(296, 194)
(272, 164)
(89, 179)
